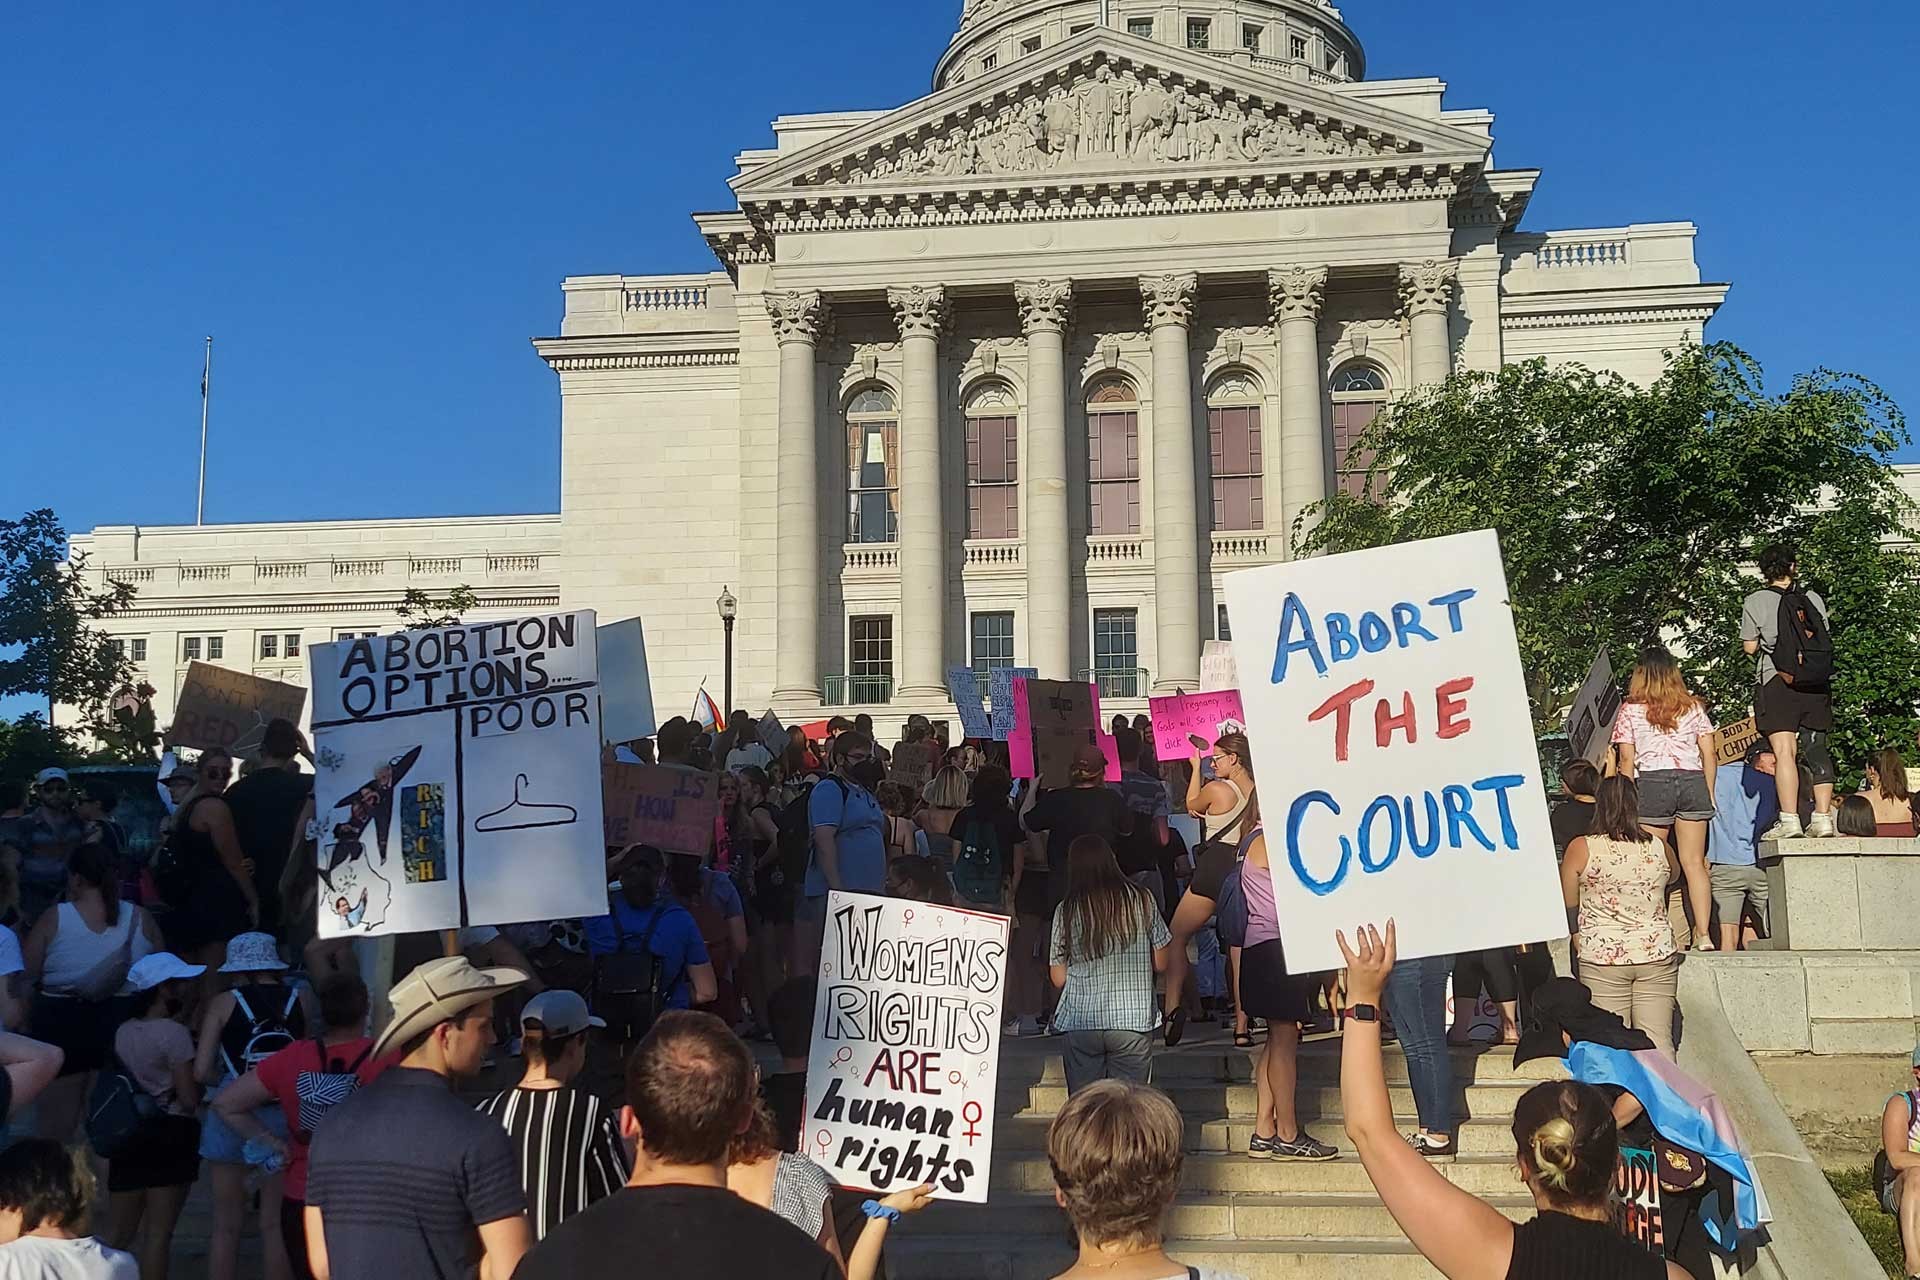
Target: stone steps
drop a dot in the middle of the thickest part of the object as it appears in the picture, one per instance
(1228, 1134)
(1017, 1173)
(1202, 1216)
(1212, 1101)
(964, 1258)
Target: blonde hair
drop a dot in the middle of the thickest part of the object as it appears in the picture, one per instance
(947, 789)
(1116, 1150)
(1568, 1144)
(1553, 1155)
(1658, 686)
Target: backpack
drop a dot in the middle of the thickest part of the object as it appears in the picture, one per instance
(1230, 908)
(176, 872)
(118, 1109)
(268, 1032)
(320, 1091)
(796, 832)
(628, 990)
(1803, 652)
(980, 866)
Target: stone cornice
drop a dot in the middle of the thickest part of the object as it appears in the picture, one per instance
(1580, 308)
(159, 608)
(639, 351)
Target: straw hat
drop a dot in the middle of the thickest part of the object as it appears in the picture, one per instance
(437, 991)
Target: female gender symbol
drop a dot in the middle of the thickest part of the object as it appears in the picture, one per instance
(909, 916)
(845, 1055)
(971, 1113)
(954, 1077)
(822, 1139)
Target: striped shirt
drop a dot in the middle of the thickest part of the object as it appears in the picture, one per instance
(569, 1148)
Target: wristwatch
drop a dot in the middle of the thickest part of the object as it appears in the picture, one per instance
(1363, 1013)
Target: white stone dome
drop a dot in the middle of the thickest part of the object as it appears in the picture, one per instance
(1305, 39)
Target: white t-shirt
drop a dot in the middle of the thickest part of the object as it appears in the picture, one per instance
(44, 1258)
(11, 960)
(753, 755)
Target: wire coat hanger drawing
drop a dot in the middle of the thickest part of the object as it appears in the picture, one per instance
(519, 815)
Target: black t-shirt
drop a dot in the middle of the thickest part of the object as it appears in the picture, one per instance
(266, 804)
(785, 1093)
(705, 1232)
(1570, 818)
(1069, 813)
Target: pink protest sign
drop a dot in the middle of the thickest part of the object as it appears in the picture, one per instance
(1205, 715)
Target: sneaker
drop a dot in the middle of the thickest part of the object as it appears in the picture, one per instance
(1259, 1148)
(1433, 1148)
(1820, 827)
(1304, 1147)
(1787, 828)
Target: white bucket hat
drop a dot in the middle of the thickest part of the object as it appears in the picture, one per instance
(252, 953)
(438, 991)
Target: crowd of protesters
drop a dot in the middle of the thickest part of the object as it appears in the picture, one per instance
(179, 1015)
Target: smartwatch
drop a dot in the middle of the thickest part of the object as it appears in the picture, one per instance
(1363, 1013)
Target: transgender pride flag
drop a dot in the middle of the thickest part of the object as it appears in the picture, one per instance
(706, 712)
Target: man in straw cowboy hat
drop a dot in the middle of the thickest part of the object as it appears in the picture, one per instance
(405, 1178)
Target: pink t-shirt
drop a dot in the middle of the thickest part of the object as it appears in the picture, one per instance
(1655, 749)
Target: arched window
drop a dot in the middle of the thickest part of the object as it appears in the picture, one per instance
(873, 467)
(1359, 394)
(993, 464)
(1113, 459)
(1233, 439)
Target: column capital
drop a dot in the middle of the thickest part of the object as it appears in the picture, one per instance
(1045, 305)
(922, 310)
(1169, 298)
(1295, 292)
(800, 315)
(1428, 286)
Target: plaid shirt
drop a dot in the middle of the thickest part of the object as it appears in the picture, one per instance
(1115, 992)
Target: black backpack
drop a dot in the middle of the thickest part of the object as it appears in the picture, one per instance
(118, 1109)
(1803, 653)
(176, 872)
(796, 833)
(980, 867)
(630, 989)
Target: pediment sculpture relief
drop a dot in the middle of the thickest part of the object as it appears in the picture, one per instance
(1104, 120)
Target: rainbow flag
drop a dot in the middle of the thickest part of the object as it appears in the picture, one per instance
(706, 712)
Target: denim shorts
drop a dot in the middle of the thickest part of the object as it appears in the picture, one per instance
(1667, 794)
(220, 1144)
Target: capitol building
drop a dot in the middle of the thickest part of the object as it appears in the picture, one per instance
(1014, 373)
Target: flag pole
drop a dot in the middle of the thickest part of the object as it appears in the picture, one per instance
(206, 379)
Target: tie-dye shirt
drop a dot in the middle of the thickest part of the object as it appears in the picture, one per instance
(1654, 748)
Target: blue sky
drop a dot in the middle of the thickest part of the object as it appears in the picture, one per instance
(371, 206)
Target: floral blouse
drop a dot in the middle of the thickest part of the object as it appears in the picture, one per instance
(1623, 903)
(1656, 749)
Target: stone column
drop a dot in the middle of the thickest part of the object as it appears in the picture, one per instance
(1295, 294)
(800, 321)
(922, 311)
(1176, 503)
(1046, 309)
(1427, 290)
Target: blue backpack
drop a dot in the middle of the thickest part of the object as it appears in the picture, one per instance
(1230, 908)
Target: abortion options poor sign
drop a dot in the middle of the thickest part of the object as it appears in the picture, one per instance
(1387, 686)
(906, 1046)
(457, 776)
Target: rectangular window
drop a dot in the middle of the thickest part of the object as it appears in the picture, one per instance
(269, 646)
(1116, 653)
(873, 488)
(137, 649)
(355, 635)
(291, 646)
(1113, 472)
(1350, 420)
(989, 62)
(216, 648)
(1141, 27)
(189, 648)
(1030, 45)
(993, 477)
(1197, 32)
(1333, 60)
(992, 641)
(1298, 47)
(1079, 27)
(1221, 629)
(1250, 39)
(1233, 433)
(870, 659)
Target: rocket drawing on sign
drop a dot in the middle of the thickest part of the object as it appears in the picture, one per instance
(355, 891)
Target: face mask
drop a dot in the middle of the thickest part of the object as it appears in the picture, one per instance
(868, 773)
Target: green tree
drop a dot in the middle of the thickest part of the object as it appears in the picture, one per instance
(47, 616)
(423, 611)
(1632, 515)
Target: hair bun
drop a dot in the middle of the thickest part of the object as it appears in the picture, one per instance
(1553, 1152)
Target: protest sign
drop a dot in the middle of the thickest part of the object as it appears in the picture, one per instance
(1590, 720)
(1636, 1205)
(1205, 715)
(486, 740)
(1217, 671)
(1000, 693)
(230, 710)
(772, 734)
(1386, 685)
(1731, 742)
(1052, 720)
(906, 1046)
(663, 805)
(626, 692)
(964, 688)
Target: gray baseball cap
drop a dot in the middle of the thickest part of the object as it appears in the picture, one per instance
(558, 1013)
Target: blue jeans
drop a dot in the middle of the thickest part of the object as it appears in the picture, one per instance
(1416, 997)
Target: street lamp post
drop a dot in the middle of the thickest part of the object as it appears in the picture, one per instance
(729, 610)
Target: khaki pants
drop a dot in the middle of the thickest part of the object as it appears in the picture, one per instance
(1646, 996)
(1677, 917)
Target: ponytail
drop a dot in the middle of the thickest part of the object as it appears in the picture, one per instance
(1568, 1143)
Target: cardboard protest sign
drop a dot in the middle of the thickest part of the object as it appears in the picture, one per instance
(772, 734)
(964, 688)
(1636, 1206)
(1590, 720)
(1000, 693)
(906, 1046)
(483, 741)
(663, 805)
(1731, 742)
(1052, 720)
(1386, 685)
(626, 692)
(230, 710)
(1217, 671)
(1204, 715)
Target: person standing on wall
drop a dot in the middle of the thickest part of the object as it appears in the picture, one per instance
(1785, 627)
(1665, 741)
(266, 806)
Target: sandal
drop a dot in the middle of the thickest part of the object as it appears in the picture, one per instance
(1176, 1027)
(1243, 1039)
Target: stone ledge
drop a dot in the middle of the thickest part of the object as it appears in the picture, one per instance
(1841, 847)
